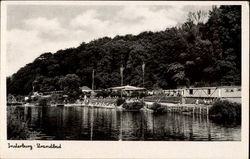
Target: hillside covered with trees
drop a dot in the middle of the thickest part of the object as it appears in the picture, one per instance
(195, 53)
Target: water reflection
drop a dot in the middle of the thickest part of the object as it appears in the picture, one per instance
(83, 123)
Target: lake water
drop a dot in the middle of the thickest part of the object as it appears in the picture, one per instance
(83, 123)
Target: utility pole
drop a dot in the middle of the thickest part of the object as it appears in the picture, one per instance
(93, 79)
(143, 69)
(121, 72)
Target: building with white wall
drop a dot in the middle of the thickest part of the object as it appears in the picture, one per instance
(231, 93)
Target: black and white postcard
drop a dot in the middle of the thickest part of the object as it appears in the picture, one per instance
(121, 79)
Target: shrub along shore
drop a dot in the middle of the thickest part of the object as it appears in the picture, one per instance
(220, 112)
(225, 112)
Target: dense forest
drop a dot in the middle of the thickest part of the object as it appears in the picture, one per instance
(195, 53)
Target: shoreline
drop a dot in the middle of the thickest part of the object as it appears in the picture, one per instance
(112, 105)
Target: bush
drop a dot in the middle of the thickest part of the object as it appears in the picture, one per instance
(225, 111)
(133, 105)
(120, 101)
(142, 94)
(160, 110)
(56, 98)
(157, 108)
(102, 93)
(115, 94)
(43, 102)
(135, 94)
(35, 99)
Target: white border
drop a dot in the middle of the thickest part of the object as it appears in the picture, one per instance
(128, 149)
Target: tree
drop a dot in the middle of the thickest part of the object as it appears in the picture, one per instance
(70, 85)
(197, 17)
(224, 32)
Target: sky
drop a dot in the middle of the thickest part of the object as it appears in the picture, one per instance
(36, 29)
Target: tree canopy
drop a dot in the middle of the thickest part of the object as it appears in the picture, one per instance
(195, 53)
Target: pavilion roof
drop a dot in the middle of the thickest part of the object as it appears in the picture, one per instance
(127, 88)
